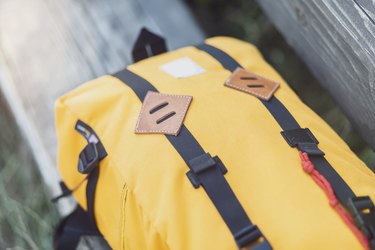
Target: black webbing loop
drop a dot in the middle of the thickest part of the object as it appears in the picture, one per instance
(148, 44)
(306, 142)
(206, 171)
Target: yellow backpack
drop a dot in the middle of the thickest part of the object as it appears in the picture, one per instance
(207, 147)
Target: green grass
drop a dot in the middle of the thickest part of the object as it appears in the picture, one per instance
(27, 217)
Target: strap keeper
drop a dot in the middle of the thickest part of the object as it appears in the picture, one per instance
(363, 212)
(247, 235)
(201, 164)
(303, 139)
(88, 158)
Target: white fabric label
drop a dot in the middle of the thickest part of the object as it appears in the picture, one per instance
(181, 68)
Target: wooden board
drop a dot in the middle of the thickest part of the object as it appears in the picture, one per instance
(49, 47)
(336, 39)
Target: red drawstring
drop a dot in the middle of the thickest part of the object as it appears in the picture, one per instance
(323, 183)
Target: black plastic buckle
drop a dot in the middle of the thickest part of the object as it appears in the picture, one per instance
(88, 158)
(201, 164)
(303, 139)
(363, 212)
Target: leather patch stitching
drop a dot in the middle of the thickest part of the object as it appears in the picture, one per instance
(177, 123)
(265, 81)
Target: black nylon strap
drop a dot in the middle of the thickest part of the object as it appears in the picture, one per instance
(287, 122)
(81, 223)
(341, 188)
(227, 61)
(92, 178)
(74, 226)
(185, 143)
(276, 108)
(92, 181)
(139, 85)
(212, 179)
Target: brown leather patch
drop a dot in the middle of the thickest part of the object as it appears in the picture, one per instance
(162, 113)
(252, 83)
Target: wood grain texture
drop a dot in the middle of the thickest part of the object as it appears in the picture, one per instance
(336, 39)
(49, 47)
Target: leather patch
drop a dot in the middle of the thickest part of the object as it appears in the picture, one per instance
(252, 83)
(162, 113)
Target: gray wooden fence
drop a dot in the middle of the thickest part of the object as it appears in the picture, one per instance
(336, 39)
(49, 47)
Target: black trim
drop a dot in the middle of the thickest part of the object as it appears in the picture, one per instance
(306, 142)
(206, 172)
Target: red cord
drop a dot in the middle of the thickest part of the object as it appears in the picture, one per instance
(323, 183)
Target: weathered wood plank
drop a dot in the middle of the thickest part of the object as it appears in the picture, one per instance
(336, 40)
(368, 8)
(49, 47)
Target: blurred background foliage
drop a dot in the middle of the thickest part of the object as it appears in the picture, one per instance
(27, 217)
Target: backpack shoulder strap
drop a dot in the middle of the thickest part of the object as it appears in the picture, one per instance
(208, 172)
(304, 140)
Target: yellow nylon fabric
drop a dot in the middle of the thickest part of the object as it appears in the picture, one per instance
(143, 198)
